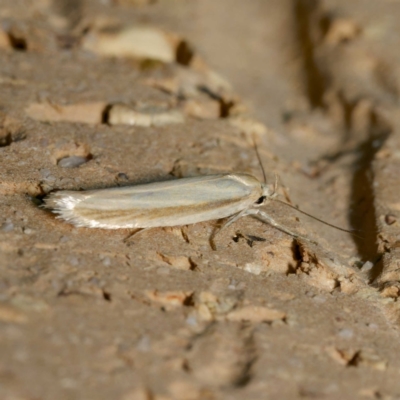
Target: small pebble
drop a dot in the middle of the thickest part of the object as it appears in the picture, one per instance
(191, 320)
(7, 226)
(106, 261)
(45, 172)
(163, 271)
(346, 333)
(73, 261)
(319, 299)
(143, 344)
(390, 219)
(367, 266)
(122, 177)
(72, 161)
(50, 179)
(63, 182)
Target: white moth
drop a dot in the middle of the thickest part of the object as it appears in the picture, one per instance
(171, 203)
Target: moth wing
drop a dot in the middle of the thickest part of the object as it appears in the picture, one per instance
(176, 202)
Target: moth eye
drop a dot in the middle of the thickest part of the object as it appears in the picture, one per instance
(261, 200)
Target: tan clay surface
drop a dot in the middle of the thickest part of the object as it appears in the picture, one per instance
(97, 94)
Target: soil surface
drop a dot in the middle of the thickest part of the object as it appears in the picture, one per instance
(100, 94)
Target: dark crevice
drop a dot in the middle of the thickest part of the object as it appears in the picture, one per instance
(297, 257)
(355, 360)
(362, 209)
(250, 355)
(105, 115)
(106, 296)
(250, 239)
(315, 82)
(193, 265)
(17, 42)
(8, 136)
(184, 53)
(189, 300)
(5, 140)
(225, 105)
(348, 110)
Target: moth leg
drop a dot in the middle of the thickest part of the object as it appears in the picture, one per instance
(134, 233)
(228, 222)
(264, 217)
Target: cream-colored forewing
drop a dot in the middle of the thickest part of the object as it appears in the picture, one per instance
(170, 203)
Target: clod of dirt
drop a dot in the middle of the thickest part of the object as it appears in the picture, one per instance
(170, 299)
(390, 219)
(178, 262)
(121, 114)
(86, 113)
(355, 358)
(136, 42)
(342, 30)
(210, 306)
(4, 40)
(202, 109)
(248, 125)
(255, 314)
(10, 130)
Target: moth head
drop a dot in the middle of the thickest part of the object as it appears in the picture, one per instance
(268, 193)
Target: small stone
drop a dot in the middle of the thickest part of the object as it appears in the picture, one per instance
(122, 177)
(346, 333)
(367, 266)
(191, 320)
(74, 261)
(7, 226)
(390, 219)
(106, 261)
(144, 344)
(72, 161)
(255, 314)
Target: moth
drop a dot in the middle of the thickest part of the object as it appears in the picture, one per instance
(170, 203)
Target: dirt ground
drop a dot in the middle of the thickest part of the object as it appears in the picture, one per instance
(108, 93)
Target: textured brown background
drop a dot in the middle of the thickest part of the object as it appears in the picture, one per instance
(85, 315)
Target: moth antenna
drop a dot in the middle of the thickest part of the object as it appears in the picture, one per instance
(259, 159)
(318, 219)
